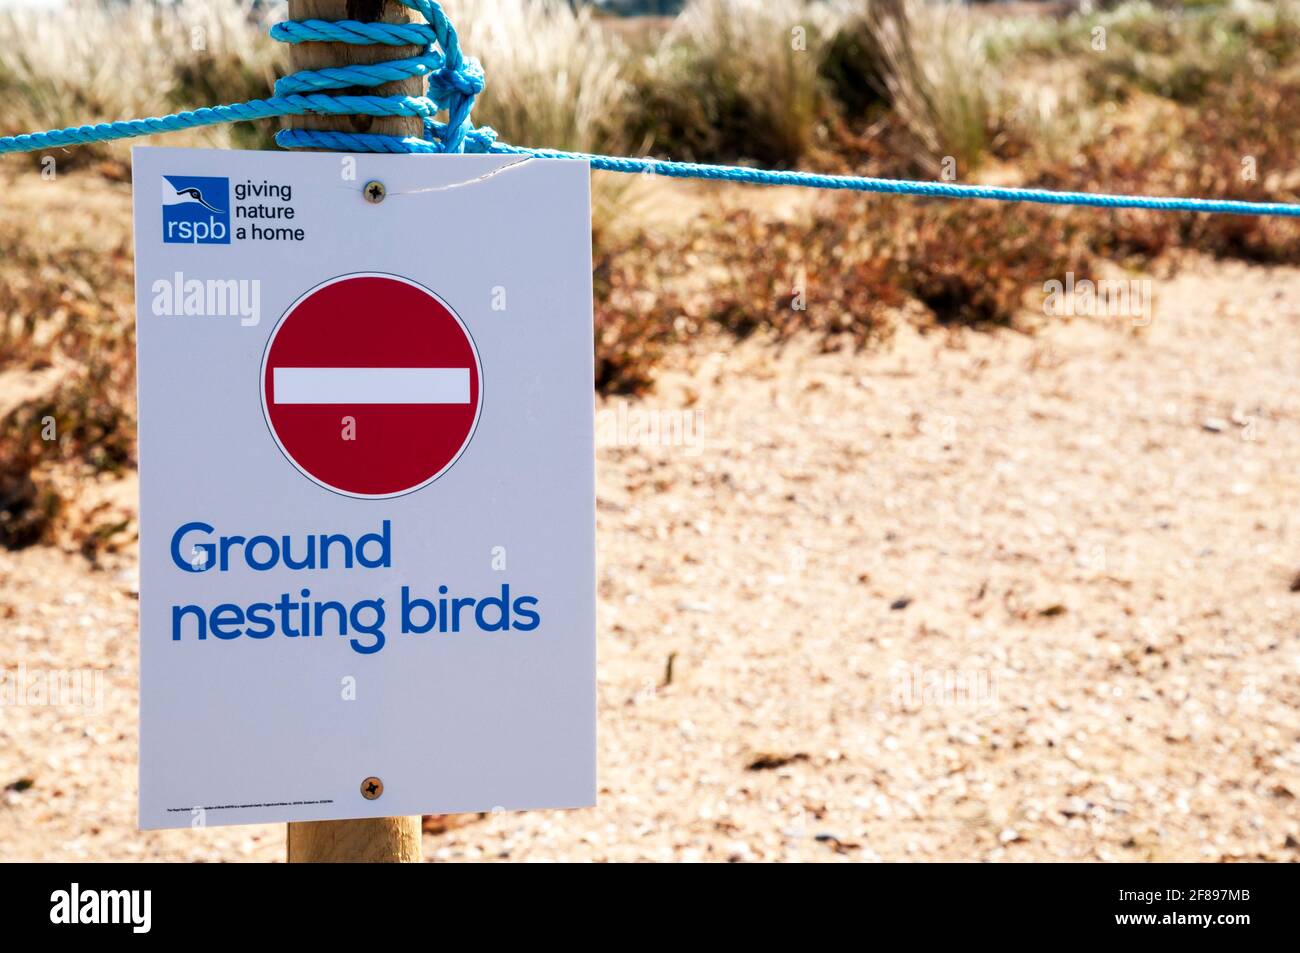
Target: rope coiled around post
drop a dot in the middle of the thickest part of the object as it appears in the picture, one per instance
(453, 83)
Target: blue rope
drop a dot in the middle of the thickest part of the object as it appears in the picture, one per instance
(453, 82)
(853, 183)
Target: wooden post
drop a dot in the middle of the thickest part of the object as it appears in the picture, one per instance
(379, 839)
(316, 55)
(374, 840)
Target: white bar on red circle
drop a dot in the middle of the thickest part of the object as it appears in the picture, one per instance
(372, 385)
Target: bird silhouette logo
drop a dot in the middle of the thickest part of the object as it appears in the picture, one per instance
(197, 196)
(186, 195)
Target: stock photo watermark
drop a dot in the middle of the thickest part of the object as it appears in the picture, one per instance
(624, 425)
(1104, 298)
(917, 685)
(21, 687)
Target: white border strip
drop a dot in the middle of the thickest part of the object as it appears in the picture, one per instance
(371, 385)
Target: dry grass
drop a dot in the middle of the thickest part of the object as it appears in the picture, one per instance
(731, 78)
(735, 78)
(67, 343)
(844, 274)
(932, 64)
(88, 62)
(760, 80)
(1070, 79)
(1176, 54)
(845, 271)
(1240, 144)
(556, 78)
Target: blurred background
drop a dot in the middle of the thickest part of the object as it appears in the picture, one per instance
(928, 530)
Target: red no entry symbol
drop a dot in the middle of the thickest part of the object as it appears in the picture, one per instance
(371, 385)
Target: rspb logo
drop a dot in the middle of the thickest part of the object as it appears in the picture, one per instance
(196, 210)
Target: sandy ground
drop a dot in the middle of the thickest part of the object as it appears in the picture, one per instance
(972, 596)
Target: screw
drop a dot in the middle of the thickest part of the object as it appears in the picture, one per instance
(374, 192)
(372, 788)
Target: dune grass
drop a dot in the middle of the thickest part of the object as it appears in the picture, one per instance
(88, 62)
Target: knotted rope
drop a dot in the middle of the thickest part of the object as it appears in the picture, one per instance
(453, 81)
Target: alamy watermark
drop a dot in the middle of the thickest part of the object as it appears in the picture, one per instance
(74, 906)
(625, 426)
(1113, 298)
(22, 687)
(947, 687)
(180, 296)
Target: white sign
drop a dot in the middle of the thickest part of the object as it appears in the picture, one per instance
(367, 486)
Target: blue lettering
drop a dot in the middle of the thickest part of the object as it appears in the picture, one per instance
(409, 625)
(384, 560)
(202, 556)
(226, 620)
(502, 607)
(258, 615)
(262, 565)
(374, 628)
(521, 611)
(179, 613)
